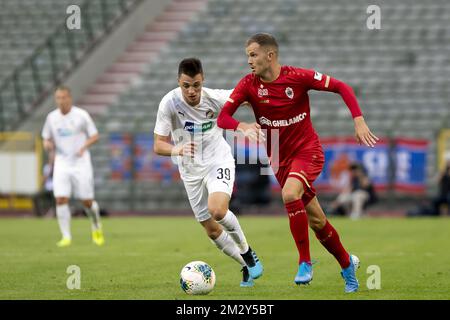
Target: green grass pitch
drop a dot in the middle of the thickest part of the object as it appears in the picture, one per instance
(142, 259)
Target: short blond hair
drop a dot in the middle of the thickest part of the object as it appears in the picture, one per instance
(63, 88)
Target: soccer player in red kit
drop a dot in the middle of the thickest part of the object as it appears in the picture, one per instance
(279, 98)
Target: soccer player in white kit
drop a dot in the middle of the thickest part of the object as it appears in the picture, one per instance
(205, 162)
(70, 131)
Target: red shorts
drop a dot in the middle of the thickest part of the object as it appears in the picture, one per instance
(306, 167)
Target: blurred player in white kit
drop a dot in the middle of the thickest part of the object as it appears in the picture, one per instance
(70, 131)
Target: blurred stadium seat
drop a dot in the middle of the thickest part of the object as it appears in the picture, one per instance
(400, 73)
(37, 50)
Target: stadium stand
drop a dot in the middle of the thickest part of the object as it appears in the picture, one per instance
(400, 72)
(37, 50)
(24, 25)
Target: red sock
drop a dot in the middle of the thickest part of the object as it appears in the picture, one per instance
(298, 222)
(329, 238)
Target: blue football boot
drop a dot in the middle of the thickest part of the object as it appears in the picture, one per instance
(304, 274)
(247, 281)
(255, 268)
(349, 275)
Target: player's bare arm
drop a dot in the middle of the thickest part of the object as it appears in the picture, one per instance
(48, 145)
(164, 147)
(89, 142)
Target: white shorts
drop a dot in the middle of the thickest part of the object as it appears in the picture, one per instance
(76, 180)
(220, 178)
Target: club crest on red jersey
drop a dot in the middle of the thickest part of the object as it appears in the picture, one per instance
(289, 92)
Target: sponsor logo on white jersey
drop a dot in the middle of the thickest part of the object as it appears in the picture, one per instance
(283, 122)
(64, 132)
(197, 127)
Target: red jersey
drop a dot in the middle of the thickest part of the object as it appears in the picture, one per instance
(283, 105)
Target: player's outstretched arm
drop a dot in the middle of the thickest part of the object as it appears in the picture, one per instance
(164, 147)
(362, 132)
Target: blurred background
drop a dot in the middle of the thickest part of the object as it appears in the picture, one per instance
(122, 59)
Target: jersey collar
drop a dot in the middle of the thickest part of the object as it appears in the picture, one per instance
(273, 81)
(59, 110)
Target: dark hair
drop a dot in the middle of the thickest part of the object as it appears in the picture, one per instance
(264, 40)
(63, 88)
(190, 67)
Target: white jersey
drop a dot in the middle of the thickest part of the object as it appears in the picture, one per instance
(69, 133)
(177, 118)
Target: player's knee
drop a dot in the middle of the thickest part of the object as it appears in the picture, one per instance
(317, 222)
(61, 201)
(289, 195)
(218, 212)
(213, 232)
(87, 203)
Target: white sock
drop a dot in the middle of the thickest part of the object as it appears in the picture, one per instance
(63, 215)
(231, 224)
(229, 247)
(94, 214)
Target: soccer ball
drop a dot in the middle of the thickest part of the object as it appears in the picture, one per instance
(197, 277)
